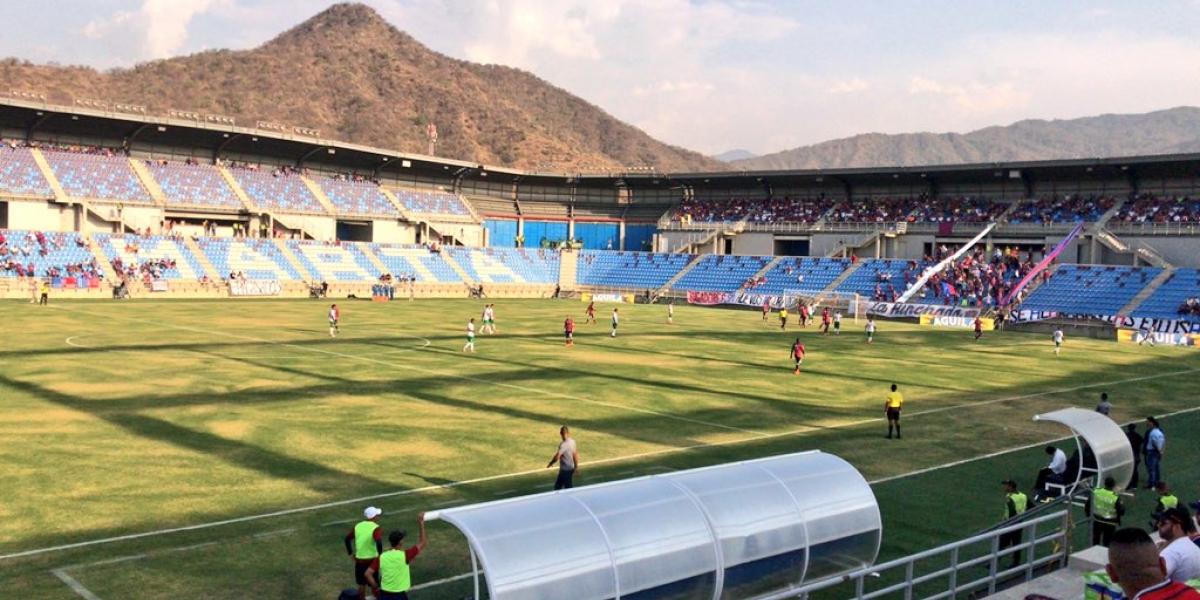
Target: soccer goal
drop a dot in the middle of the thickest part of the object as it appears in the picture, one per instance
(850, 305)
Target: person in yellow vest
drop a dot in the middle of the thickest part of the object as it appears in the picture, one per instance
(1165, 498)
(45, 290)
(891, 408)
(1106, 510)
(1015, 503)
(389, 575)
(783, 318)
(364, 543)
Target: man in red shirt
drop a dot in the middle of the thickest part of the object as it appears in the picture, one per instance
(569, 330)
(978, 329)
(798, 354)
(825, 321)
(389, 574)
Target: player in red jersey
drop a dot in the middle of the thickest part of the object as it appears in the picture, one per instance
(797, 354)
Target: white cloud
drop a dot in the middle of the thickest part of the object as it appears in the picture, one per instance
(158, 29)
(847, 86)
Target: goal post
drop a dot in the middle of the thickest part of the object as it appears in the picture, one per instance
(850, 305)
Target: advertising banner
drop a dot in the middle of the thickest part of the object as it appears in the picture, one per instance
(254, 287)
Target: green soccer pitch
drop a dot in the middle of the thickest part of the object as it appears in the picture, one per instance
(222, 449)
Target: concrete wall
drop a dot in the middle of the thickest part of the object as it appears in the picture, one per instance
(393, 232)
(1178, 250)
(754, 244)
(40, 216)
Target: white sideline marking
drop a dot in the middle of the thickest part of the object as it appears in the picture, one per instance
(504, 492)
(74, 585)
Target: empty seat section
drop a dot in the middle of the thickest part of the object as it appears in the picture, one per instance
(801, 274)
(358, 197)
(431, 202)
(19, 173)
(1171, 299)
(252, 257)
(523, 265)
(628, 269)
(99, 176)
(721, 273)
(282, 189)
(194, 184)
(410, 260)
(333, 262)
(1090, 289)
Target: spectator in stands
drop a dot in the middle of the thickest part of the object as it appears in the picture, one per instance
(1134, 564)
(1181, 557)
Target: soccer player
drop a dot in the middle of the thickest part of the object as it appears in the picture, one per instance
(783, 318)
(470, 336)
(797, 355)
(978, 328)
(891, 408)
(333, 320)
(486, 318)
(837, 323)
(591, 314)
(825, 321)
(870, 329)
(1058, 340)
(766, 308)
(569, 330)
(670, 311)
(614, 323)
(804, 315)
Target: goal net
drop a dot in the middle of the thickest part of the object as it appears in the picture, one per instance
(850, 305)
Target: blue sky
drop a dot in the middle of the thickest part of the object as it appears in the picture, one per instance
(715, 75)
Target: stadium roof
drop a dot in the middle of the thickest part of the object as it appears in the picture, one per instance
(221, 136)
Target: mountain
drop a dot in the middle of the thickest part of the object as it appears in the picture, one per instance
(354, 77)
(732, 155)
(1172, 131)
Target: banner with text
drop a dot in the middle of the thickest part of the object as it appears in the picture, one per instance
(254, 287)
(895, 310)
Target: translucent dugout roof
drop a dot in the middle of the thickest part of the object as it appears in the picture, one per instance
(741, 530)
(1103, 438)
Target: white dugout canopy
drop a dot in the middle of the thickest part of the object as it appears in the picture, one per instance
(1103, 438)
(743, 530)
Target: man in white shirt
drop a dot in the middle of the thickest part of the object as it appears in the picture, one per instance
(1181, 555)
(1052, 473)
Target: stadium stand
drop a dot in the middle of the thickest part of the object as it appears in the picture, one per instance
(1067, 208)
(156, 256)
(519, 265)
(357, 196)
(959, 209)
(1177, 298)
(332, 261)
(409, 260)
(1089, 289)
(628, 269)
(46, 254)
(878, 279)
(19, 173)
(282, 190)
(252, 258)
(100, 176)
(721, 273)
(1151, 208)
(429, 202)
(876, 210)
(808, 275)
(193, 184)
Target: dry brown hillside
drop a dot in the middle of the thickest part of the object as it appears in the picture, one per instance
(356, 78)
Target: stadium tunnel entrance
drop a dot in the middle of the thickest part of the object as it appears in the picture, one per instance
(753, 529)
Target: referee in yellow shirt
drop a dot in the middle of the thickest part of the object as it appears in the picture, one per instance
(891, 408)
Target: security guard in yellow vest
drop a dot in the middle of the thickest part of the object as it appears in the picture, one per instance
(1106, 510)
(1165, 498)
(389, 575)
(1015, 503)
(364, 542)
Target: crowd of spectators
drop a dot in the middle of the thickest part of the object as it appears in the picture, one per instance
(877, 210)
(15, 252)
(1151, 208)
(957, 209)
(146, 270)
(1065, 208)
(972, 280)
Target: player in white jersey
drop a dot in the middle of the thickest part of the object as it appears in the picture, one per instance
(837, 323)
(470, 336)
(333, 320)
(870, 329)
(670, 311)
(1058, 340)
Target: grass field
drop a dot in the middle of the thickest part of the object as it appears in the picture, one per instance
(218, 449)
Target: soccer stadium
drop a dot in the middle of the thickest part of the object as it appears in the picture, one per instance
(228, 347)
